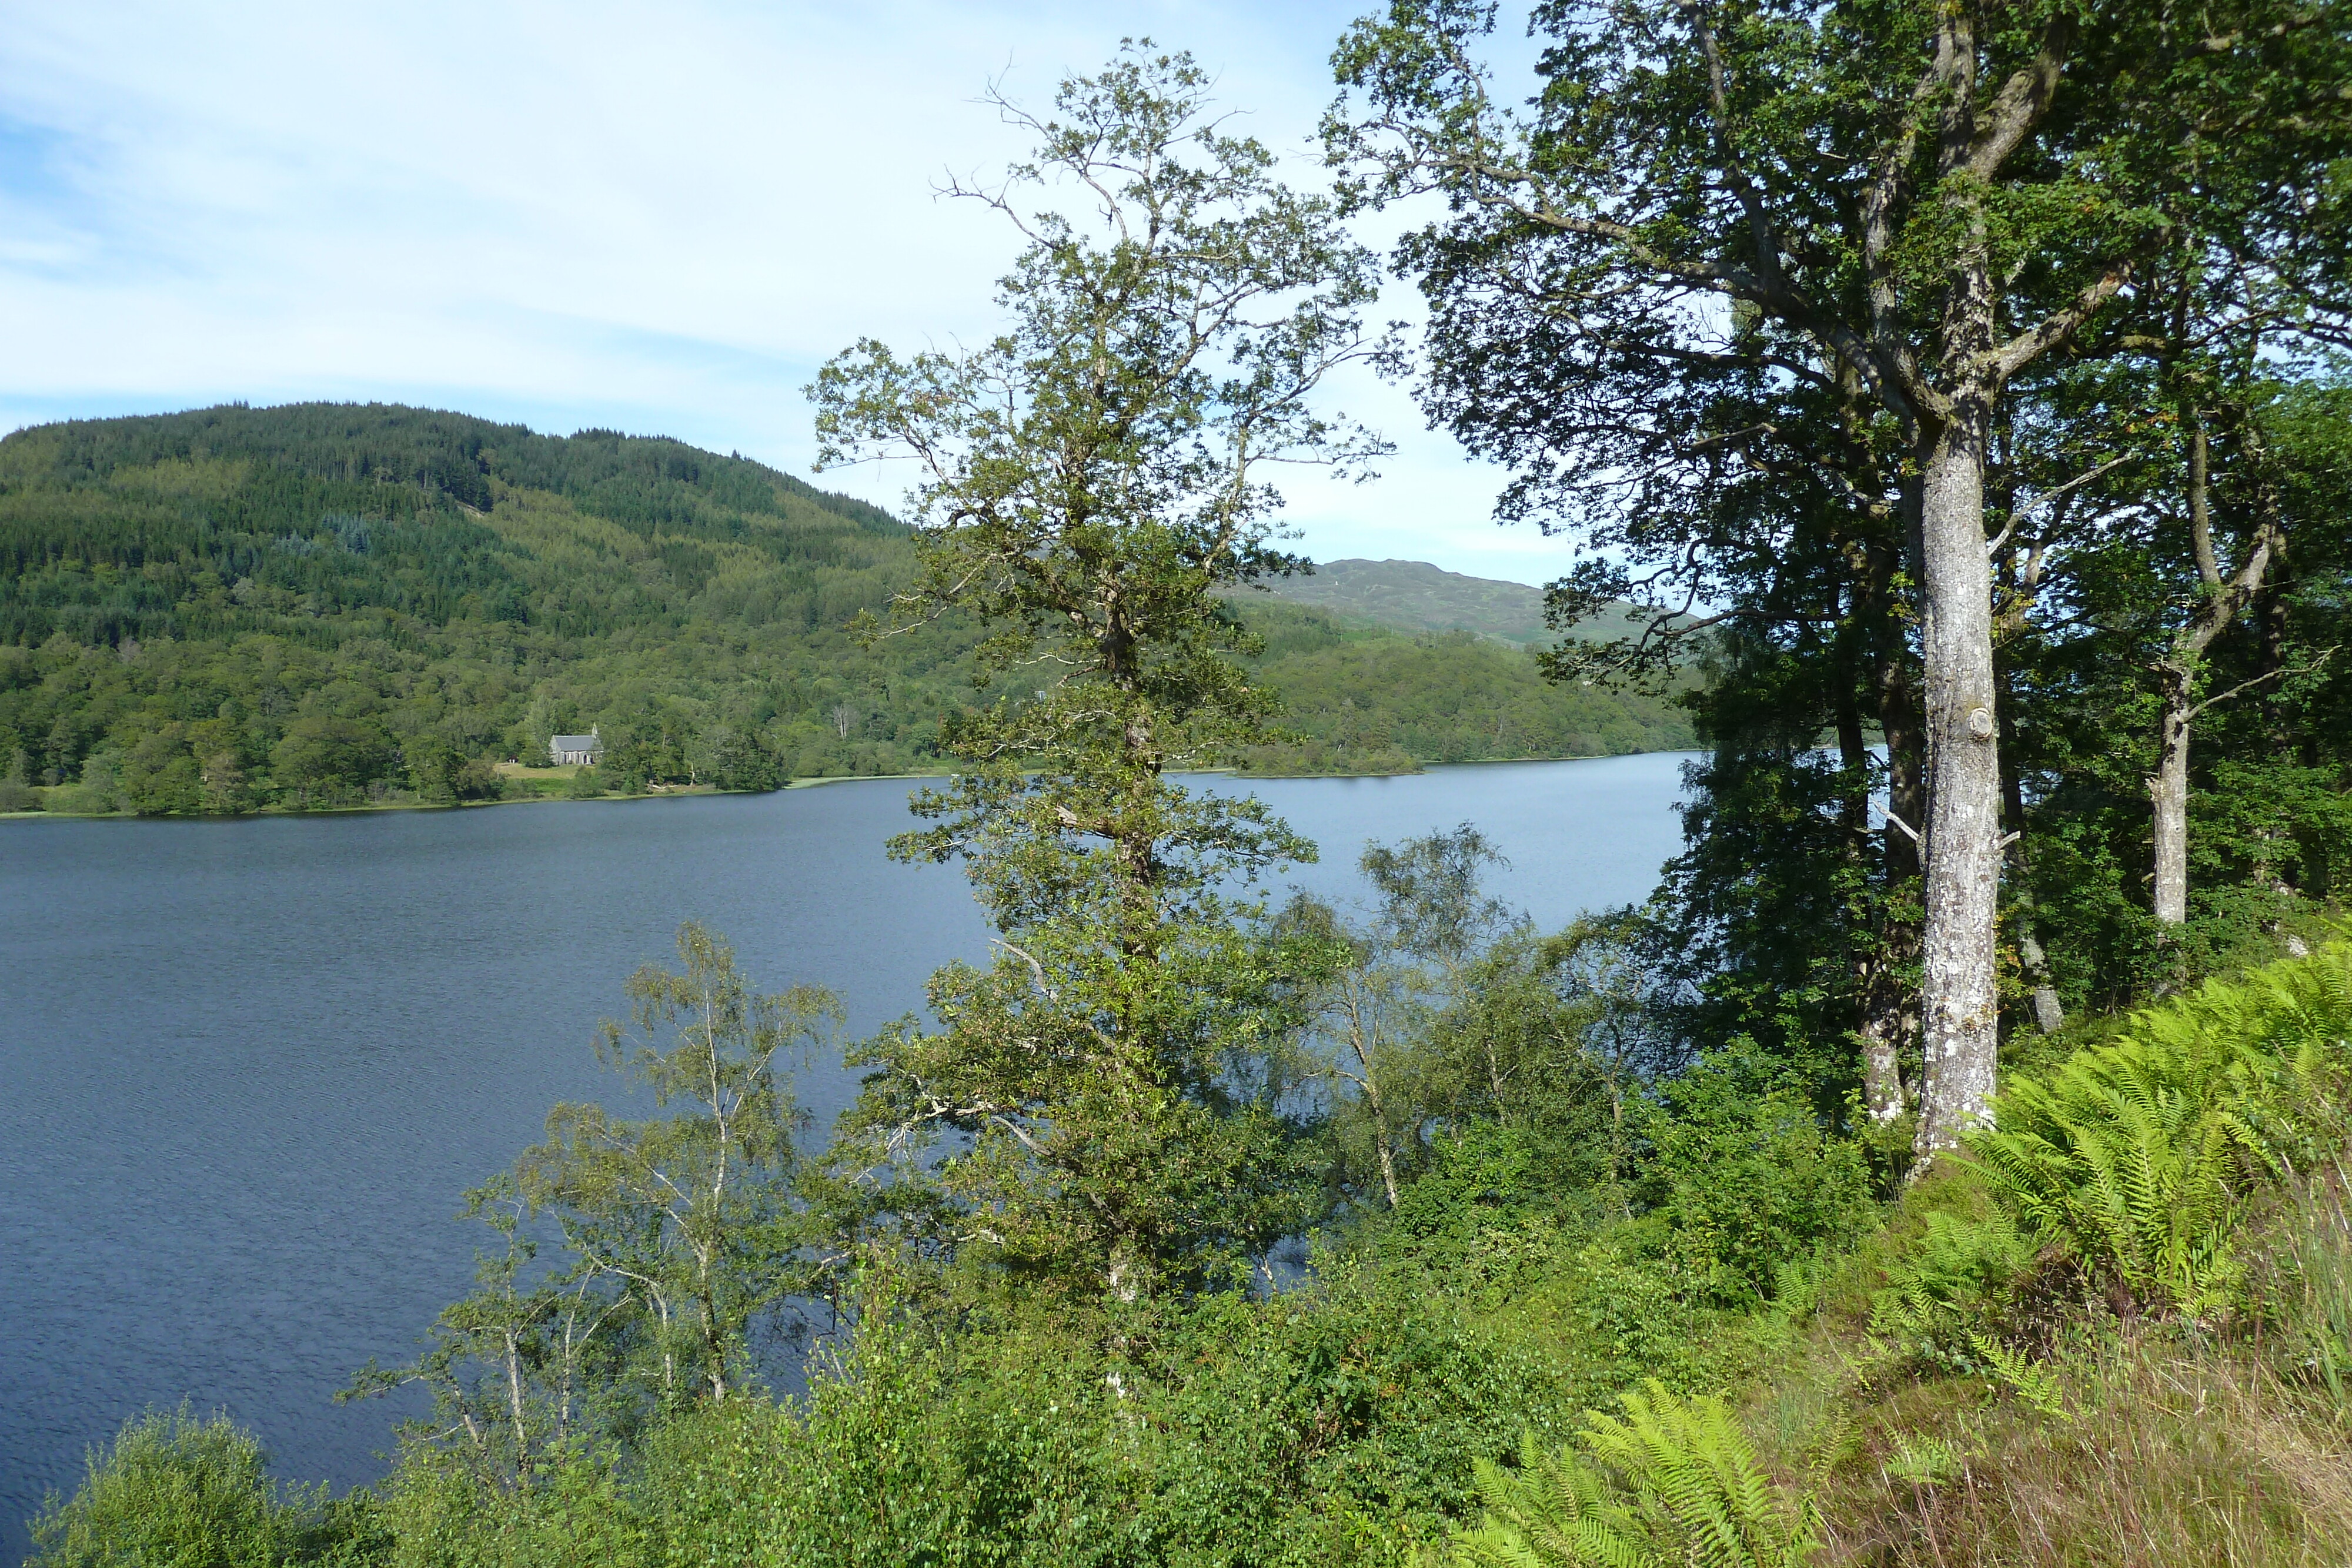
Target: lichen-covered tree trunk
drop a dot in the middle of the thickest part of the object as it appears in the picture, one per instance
(1960, 1027)
(2167, 790)
(1889, 1016)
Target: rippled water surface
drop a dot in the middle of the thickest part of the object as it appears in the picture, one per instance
(247, 1067)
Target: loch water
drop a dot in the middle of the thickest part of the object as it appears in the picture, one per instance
(247, 1067)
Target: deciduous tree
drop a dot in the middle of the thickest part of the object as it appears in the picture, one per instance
(1916, 203)
(1088, 481)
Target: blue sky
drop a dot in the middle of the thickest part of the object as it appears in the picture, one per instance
(658, 219)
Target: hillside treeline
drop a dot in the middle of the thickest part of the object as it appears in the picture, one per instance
(324, 604)
(328, 604)
(1353, 696)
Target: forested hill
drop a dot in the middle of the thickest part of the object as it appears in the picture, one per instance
(354, 520)
(320, 603)
(1416, 596)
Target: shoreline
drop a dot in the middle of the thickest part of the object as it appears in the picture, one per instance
(689, 791)
(695, 791)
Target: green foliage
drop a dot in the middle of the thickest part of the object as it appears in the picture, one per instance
(2035, 1421)
(1781, 920)
(682, 1237)
(1533, 1173)
(1671, 1480)
(1443, 697)
(437, 1514)
(1340, 1426)
(1320, 759)
(1374, 1048)
(2034, 1384)
(2139, 1154)
(1743, 1183)
(1101, 1106)
(1415, 596)
(1450, 1016)
(692, 1211)
(191, 1493)
(236, 609)
(2266, 760)
(1768, 454)
(16, 792)
(320, 604)
(1949, 1287)
(979, 1413)
(1120, 1130)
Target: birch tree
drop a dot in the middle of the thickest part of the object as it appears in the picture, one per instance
(668, 1237)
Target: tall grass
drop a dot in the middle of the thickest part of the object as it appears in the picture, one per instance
(2160, 1374)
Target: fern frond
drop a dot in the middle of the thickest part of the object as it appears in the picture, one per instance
(2138, 1155)
(1666, 1479)
(2037, 1385)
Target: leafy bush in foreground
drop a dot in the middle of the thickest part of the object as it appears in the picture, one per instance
(176, 1490)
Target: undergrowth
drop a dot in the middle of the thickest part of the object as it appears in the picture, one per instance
(2119, 1331)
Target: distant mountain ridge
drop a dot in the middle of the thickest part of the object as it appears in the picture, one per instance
(1416, 596)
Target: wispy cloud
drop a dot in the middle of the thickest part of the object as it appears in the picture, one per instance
(659, 219)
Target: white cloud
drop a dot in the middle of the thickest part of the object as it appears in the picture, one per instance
(658, 218)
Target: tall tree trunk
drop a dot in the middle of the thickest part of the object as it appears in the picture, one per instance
(2167, 787)
(1881, 1055)
(1963, 832)
(1360, 1039)
(1877, 1024)
(2049, 1012)
(2167, 790)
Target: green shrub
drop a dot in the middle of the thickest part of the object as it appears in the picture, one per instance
(1744, 1183)
(17, 791)
(85, 799)
(1322, 759)
(175, 1490)
(436, 1513)
(1341, 1425)
(1949, 1289)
